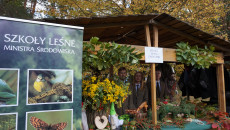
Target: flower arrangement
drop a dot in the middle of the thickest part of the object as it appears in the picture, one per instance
(98, 94)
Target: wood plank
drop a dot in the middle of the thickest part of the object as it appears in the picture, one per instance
(227, 54)
(175, 21)
(169, 54)
(221, 87)
(167, 19)
(179, 25)
(118, 24)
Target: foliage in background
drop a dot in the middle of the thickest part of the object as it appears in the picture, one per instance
(109, 54)
(208, 15)
(179, 69)
(194, 56)
(14, 8)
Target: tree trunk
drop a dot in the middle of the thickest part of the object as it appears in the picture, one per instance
(34, 6)
(25, 3)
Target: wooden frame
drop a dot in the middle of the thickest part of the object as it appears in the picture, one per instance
(170, 55)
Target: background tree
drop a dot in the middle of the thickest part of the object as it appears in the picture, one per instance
(14, 8)
(208, 15)
(25, 9)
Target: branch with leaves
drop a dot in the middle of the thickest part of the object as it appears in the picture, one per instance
(109, 54)
(194, 56)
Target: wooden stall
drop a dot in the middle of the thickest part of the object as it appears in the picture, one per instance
(154, 30)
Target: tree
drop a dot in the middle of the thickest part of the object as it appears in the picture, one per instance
(225, 21)
(24, 9)
(206, 15)
(14, 8)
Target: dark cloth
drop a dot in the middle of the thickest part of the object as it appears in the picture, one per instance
(138, 96)
(163, 91)
(202, 83)
(188, 82)
(158, 90)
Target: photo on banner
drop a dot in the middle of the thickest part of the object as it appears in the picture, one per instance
(49, 120)
(9, 85)
(8, 121)
(49, 86)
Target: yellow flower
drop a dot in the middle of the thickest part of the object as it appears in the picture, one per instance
(104, 91)
(93, 78)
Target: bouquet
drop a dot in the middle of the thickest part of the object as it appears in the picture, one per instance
(98, 94)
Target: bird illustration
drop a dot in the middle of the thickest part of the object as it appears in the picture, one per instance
(39, 83)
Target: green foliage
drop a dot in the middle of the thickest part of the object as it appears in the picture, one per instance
(7, 122)
(194, 56)
(108, 55)
(133, 123)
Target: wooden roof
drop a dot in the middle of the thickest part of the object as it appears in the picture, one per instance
(130, 29)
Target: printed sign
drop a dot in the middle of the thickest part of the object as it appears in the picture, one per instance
(40, 71)
(153, 55)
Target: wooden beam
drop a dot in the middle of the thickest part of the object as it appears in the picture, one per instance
(227, 54)
(147, 36)
(110, 25)
(155, 36)
(169, 54)
(153, 76)
(188, 35)
(221, 87)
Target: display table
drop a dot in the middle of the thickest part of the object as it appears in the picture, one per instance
(189, 126)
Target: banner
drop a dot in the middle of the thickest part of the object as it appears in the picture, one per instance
(40, 75)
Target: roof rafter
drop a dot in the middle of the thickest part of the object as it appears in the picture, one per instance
(187, 35)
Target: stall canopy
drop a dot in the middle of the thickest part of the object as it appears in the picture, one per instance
(129, 29)
(165, 31)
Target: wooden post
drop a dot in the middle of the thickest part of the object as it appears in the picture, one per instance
(153, 94)
(155, 36)
(153, 79)
(221, 87)
(153, 76)
(147, 35)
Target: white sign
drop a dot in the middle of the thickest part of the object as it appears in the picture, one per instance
(153, 55)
